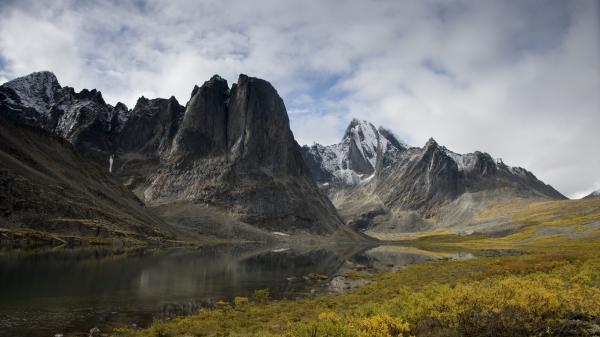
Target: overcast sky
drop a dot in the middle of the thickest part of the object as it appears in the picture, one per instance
(518, 79)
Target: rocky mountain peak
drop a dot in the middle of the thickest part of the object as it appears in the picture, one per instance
(92, 95)
(357, 125)
(257, 121)
(142, 100)
(121, 106)
(595, 194)
(203, 130)
(37, 90)
(363, 150)
(431, 143)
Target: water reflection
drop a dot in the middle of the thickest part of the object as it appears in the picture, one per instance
(70, 291)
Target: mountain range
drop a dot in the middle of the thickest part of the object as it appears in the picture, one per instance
(226, 165)
(227, 157)
(379, 183)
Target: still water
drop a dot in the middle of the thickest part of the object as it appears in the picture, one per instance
(68, 292)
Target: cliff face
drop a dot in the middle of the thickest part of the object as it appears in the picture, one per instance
(231, 149)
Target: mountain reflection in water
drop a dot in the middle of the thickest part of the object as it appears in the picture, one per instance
(71, 291)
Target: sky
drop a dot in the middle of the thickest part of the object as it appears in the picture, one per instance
(519, 79)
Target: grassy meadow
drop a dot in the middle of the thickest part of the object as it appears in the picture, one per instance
(548, 286)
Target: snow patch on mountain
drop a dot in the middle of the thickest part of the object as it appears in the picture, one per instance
(37, 91)
(365, 149)
(354, 160)
(462, 161)
(38, 99)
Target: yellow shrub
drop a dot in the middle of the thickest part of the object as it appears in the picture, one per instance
(240, 301)
(382, 326)
(508, 306)
(329, 316)
(261, 295)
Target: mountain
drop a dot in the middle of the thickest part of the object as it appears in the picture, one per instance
(228, 153)
(354, 160)
(51, 194)
(595, 194)
(379, 183)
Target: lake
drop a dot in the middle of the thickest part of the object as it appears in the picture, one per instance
(44, 293)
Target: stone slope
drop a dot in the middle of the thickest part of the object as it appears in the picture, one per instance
(48, 188)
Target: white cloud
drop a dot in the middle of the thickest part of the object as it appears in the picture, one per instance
(519, 79)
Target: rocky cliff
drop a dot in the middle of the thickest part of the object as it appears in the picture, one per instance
(228, 149)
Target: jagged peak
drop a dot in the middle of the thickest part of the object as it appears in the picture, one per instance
(93, 95)
(121, 106)
(194, 90)
(431, 143)
(37, 90)
(244, 79)
(359, 126)
(43, 76)
(215, 80)
(217, 77)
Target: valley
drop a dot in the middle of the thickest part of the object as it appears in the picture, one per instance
(209, 219)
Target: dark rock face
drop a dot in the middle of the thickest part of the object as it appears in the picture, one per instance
(203, 130)
(411, 183)
(227, 148)
(429, 180)
(149, 129)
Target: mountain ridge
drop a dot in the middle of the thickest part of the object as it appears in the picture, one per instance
(594, 194)
(228, 149)
(414, 186)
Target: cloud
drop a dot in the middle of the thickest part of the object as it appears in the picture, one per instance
(519, 79)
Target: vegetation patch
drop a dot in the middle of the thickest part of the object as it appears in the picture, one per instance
(551, 290)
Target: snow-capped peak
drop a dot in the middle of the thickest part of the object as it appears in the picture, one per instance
(354, 160)
(37, 90)
(364, 137)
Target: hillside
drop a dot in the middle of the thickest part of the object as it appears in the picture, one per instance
(52, 195)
